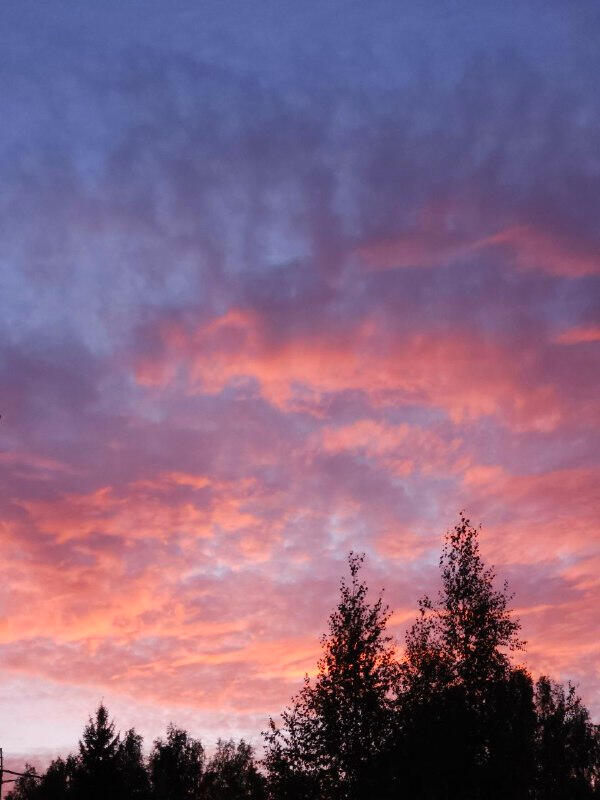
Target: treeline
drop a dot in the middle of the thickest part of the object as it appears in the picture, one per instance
(454, 718)
(109, 766)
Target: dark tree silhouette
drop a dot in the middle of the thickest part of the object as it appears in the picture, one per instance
(97, 774)
(335, 729)
(134, 780)
(58, 780)
(231, 773)
(508, 715)
(26, 787)
(461, 697)
(176, 766)
(464, 638)
(567, 743)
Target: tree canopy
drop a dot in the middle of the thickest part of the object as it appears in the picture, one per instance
(337, 726)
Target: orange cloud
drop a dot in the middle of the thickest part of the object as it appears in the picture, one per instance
(135, 512)
(468, 377)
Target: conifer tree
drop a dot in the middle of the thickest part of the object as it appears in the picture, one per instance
(97, 775)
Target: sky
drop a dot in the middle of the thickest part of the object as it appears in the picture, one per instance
(279, 281)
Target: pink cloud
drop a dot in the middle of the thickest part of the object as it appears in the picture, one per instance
(532, 248)
(466, 375)
(546, 251)
(581, 334)
(402, 449)
(553, 514)
(417, 248)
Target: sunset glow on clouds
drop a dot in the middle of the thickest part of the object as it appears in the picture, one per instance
(277, 284)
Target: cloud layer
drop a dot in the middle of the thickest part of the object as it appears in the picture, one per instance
(272, 289)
